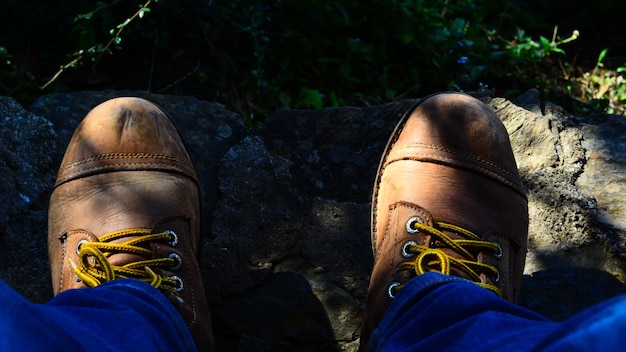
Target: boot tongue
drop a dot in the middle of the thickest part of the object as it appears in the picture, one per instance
(454, 254)
(122, 259)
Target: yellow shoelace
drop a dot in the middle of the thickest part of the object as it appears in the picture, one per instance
(94, 267)
(433, 258)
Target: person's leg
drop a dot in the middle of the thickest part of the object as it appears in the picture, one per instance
(121, 315)
(125, 204)
(598, 328)
(449, 230)
(447, 198)
(436, 312)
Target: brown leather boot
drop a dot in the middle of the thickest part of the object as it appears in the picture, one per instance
(447, 198)
(126, 179)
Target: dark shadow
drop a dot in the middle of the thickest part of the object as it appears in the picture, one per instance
(560, 293)
(335, 151)
(281, 314)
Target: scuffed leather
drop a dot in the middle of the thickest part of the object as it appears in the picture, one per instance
(448, 160)
(127, 167)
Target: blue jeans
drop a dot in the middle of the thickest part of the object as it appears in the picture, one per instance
(121, 315)
(434, 312)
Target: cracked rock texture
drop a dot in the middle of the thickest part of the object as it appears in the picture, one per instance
(286, 254)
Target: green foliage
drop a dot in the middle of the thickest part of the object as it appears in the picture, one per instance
(603, 89)
(258, 55)
(96, 51)
(527, 50)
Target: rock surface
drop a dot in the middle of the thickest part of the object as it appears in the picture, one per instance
(286, 254)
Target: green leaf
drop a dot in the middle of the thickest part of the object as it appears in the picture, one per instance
(124, 24)
(86, 16)
(311, 98)
(143, 11)
(558, 50)
(602, 55)
(333, 99)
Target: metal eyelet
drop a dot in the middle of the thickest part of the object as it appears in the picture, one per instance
(178, 261)
(405, 249)
(497, 279)
(174, 241)
(412, 221)
(390, 289)
(180, 285)
(79, 244)
(499, 254)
